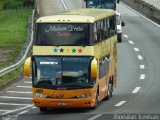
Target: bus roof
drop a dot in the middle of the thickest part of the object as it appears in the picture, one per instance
(88, 15)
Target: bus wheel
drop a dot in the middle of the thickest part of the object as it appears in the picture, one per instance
(43, 109)
(110, 90)
(96, 101)
(119, 37)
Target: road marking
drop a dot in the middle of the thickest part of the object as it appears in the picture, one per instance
(34, 107)
(14, 104)
(136, 89)
(120, 103)
(95, 117)
(22, 112)
(142, 66)
(136, 49)
(27, 82)
(19, 92)
(142, 76)
(131, 42)
(24, 86)
(4, 110)
(64, 5)
(25, 98)
(126, 36)
(140, 57)
(11, 111)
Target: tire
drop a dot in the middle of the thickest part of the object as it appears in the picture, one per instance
(96, 102)
(119, 38)
(110, 90)
(43, 109)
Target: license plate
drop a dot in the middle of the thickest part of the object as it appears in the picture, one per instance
(62, 103)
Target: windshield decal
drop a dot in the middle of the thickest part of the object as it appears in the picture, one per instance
(68, 50)
(69, 28)
(48, 63)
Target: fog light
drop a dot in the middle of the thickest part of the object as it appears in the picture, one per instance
(40, 95)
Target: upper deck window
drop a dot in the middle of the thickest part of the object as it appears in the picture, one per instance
(62, 34)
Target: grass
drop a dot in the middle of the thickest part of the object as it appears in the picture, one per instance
(1, 5)
(13, 33)
(8, 77)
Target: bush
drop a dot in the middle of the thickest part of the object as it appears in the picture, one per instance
(14, 4)
(1, 5)
(28, 3)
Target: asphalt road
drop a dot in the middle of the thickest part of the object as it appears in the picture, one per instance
(138, 79)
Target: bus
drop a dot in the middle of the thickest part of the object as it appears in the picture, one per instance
(74, 59)
(105, 4)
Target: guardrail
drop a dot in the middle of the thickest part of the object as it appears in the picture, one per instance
(143, 7)
(29, 45)
(30, 37)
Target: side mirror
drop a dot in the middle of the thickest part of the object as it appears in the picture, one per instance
(27, 67)
(94, 68)
(123, 24)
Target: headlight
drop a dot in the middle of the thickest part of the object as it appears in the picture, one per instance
(84, 96)
(40, 95)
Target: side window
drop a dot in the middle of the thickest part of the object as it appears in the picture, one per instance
(102, 29)
(95, 33)
(108, 23)
(112, 23)
(112, 26)
(103, 67)
(105, 28)
(99, 36)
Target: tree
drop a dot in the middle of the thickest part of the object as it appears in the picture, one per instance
(28, 3)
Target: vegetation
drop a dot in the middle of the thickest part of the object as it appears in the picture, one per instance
(14, 4)
(8, 77)
(13, 32)
(1, 5)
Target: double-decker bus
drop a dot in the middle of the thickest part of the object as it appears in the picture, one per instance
(74, 59)
(104, 4)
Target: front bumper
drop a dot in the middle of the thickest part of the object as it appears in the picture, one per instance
(64, 103)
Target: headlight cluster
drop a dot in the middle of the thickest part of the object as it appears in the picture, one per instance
(40, 95)
(84, 96)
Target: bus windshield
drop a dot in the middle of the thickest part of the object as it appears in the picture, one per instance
(62, 34)
(53, 72)
(106, 4)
